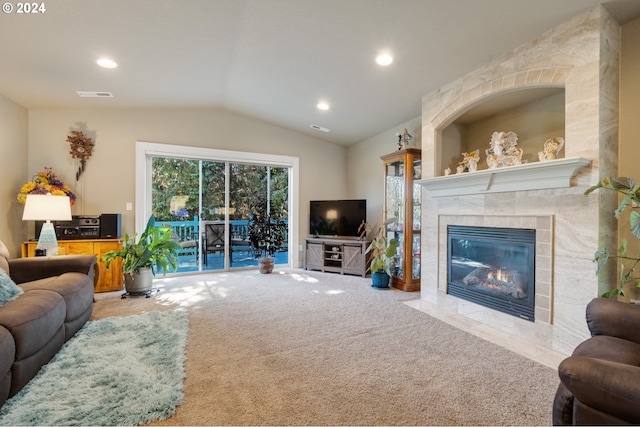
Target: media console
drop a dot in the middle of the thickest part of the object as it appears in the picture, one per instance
(342, 256)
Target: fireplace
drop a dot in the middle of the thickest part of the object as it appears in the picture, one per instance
(493, 267)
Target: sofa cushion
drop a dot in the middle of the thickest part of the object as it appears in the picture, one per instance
(603, 385)
(33, 319)
(610, 348)
(8, 289)
(75, 288)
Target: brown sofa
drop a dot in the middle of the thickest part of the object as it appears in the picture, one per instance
(600, 381)
(57, 301)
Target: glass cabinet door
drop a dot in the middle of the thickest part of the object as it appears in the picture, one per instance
(417, 205)
(402, 202)
(394, 206)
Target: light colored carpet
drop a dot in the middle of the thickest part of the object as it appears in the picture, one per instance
(114, 371)
(307, 348)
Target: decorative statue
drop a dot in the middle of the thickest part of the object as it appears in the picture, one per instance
(469, 162)
(404, 139)
(504, 150)
(551, 148)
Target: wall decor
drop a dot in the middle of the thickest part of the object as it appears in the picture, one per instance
(81, 147)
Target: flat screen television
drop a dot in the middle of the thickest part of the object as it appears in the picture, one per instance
(336, 218)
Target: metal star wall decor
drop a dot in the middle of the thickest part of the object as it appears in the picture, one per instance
(81, 147)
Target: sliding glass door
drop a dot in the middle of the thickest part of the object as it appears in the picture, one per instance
(209, 203)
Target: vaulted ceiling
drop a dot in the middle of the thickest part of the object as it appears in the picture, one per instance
(273, 60)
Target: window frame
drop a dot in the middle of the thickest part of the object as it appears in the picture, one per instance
(146, 150)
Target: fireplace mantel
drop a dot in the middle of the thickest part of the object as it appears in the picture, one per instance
(530, 176)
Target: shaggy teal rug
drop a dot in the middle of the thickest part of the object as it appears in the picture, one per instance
(115, 371)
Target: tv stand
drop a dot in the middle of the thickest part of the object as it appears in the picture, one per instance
(337, 255)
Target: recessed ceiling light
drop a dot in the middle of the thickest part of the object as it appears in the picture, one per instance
(322, 105)
(106, 63)
(384, 59)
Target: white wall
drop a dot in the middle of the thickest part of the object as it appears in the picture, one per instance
(13, 164)
(365, 174)
(108, 182)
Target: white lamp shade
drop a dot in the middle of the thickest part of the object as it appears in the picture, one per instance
(45, 207)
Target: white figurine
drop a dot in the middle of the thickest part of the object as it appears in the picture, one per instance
(551, 148)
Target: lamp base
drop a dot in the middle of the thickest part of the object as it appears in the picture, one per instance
(47, 240)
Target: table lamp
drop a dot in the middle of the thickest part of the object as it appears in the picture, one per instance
(46, 207)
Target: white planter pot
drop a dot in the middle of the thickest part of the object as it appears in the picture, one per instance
(139, 282)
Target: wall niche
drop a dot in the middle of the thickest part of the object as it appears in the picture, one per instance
(534, 114)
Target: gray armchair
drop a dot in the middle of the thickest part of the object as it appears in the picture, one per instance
(600, 381)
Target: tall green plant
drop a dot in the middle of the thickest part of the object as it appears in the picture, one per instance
(153, 249)
(382, 249)
(627, 263)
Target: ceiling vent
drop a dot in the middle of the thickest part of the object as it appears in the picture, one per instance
(88, 94)
(320, 128)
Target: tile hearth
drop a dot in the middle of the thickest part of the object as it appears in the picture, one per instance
(516, 344)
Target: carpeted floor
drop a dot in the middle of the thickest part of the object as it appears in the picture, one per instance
(307, 348)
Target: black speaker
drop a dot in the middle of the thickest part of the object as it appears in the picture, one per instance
(110, 226)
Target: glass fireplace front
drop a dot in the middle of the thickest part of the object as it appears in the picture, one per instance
(493, 267)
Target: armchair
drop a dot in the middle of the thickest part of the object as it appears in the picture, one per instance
(600, 381)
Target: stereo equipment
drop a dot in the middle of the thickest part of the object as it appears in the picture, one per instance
(110, 226)
(105, 226)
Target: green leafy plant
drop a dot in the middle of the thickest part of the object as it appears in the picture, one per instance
(627, 263)
(154, 249)
(382, 249)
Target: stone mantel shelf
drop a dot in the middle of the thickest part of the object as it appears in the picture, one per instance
(529, 176)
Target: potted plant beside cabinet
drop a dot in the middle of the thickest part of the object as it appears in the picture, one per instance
(154, 252)
(267, 236)
(383, 252)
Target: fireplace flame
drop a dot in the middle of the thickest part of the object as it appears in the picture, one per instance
(498, 275)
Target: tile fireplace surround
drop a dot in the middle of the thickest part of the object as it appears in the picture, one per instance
(580, 56)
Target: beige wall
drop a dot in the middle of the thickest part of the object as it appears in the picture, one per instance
(365, 174)
(13, 164)
(108, 182)
(629, 146)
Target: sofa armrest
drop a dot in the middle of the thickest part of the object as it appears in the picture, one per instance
(24, 270)
(609, 387)
(610, 317)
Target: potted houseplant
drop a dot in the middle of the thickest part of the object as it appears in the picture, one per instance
(382, 252)
(266, 235)
(627, 262)
(154, 252)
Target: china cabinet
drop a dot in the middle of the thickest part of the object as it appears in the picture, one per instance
(402, 170)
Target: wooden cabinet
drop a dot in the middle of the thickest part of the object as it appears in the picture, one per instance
(402, 170)
(337, 256)
(108, 280)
